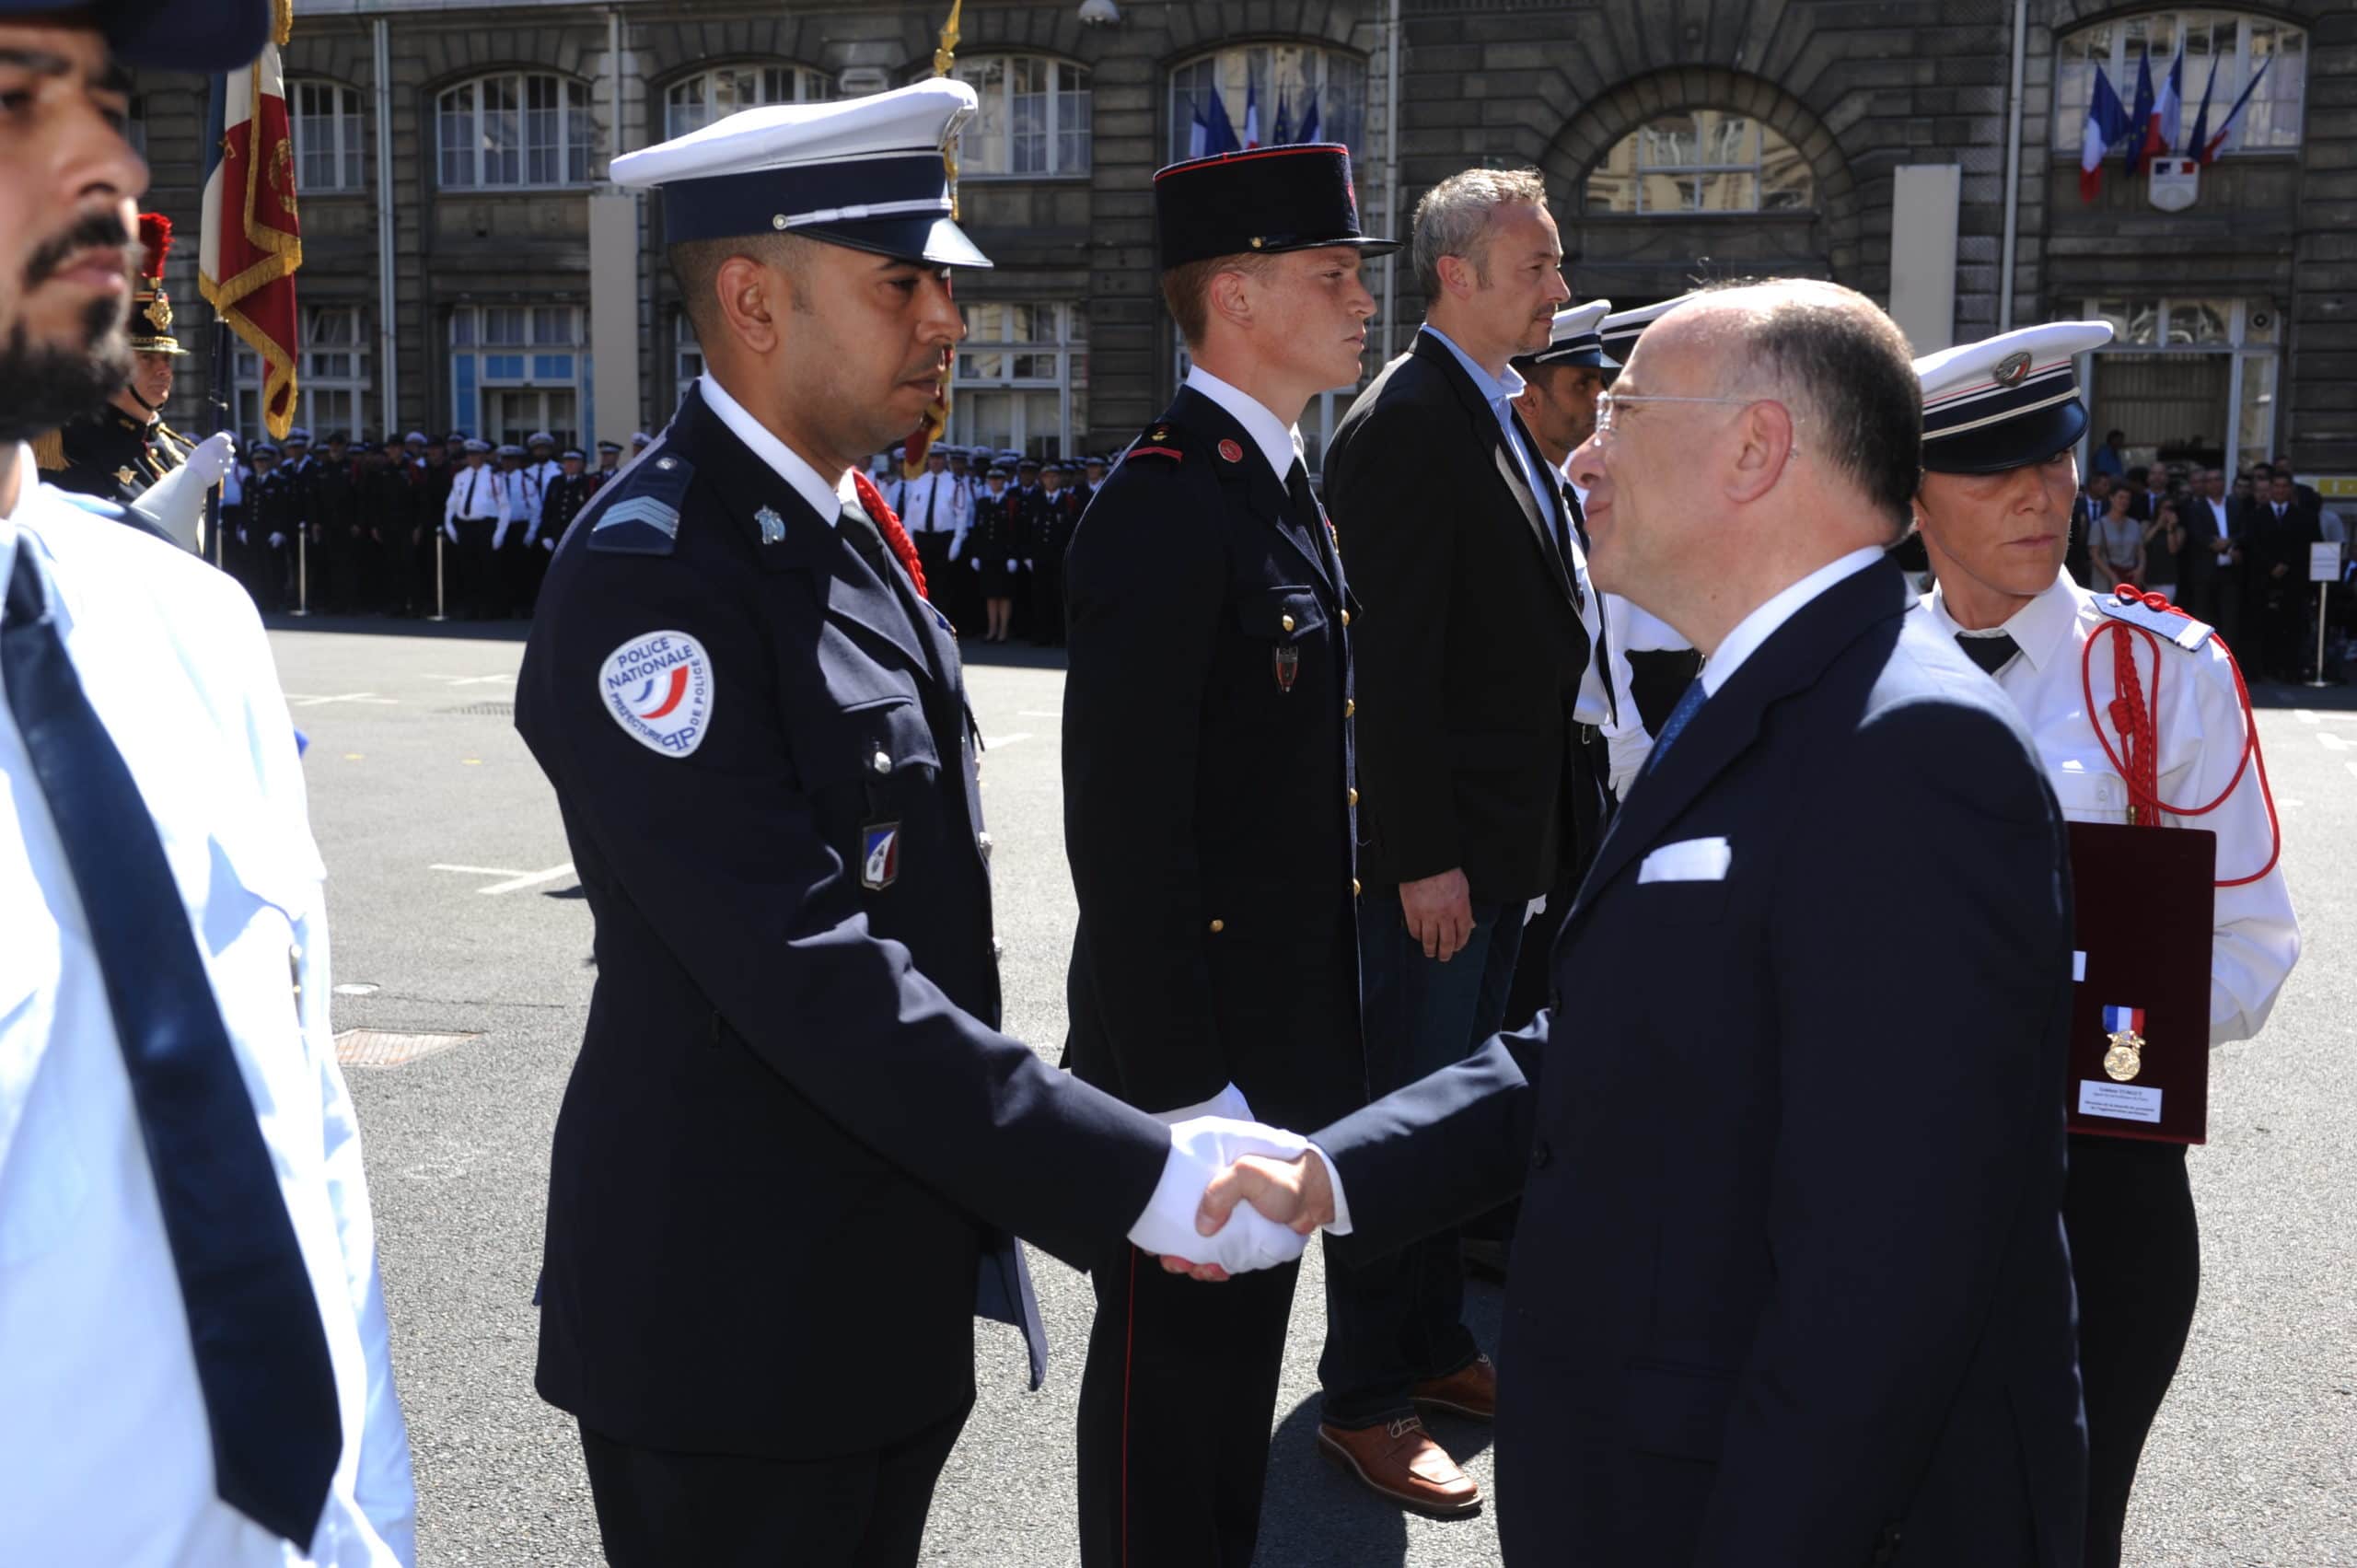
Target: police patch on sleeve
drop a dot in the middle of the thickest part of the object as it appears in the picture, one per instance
(658, 687)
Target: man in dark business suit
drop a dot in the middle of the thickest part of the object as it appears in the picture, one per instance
(1470, 660)
(795, 1143)
(1791, 1285)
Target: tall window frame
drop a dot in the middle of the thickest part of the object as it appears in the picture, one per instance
(332, 375)
(1280, 75)
(2185, 325)
(323, 117)
(1700, 162)
(1035, 119)
(1022, 380)
(694, 101)
(514, 130)
(517, 368)
(2239, 41)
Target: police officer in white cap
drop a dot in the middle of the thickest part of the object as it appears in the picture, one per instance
(2001, 419)
(795, 1146)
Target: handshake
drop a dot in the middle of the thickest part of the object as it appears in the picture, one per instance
(1236, 1194)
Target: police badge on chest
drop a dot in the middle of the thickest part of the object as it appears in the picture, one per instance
(880, 853)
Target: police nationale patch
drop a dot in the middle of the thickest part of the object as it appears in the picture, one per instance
(658, 687)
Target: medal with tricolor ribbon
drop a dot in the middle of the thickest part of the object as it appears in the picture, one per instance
(2125, 1027)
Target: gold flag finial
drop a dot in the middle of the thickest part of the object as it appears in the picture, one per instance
(946, 55)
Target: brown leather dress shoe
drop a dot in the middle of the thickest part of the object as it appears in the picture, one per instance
(1470, 1391)
(1398, 1460)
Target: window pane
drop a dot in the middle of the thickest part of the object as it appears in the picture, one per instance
(1072, 111)
(684, 109)
(503, 132)
(458, 138)
(1043, 429)
(982, 146)
(502, 325)
(2199, 320)
(2256, 417)
(579, 134)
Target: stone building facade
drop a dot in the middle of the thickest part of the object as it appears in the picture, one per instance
(1680, 140)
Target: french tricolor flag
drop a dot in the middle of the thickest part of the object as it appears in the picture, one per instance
(2123, 1021)
(2162, 124)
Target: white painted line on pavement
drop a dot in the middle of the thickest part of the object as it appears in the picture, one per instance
(482, 870)
(2352, 767)
(529, 880)
(2330, 741)
(1039, 713)
(507, 680)
(294, 700)
(992, 742)
(2303, 715)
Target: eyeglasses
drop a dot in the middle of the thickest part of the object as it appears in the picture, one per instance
(1607, 401)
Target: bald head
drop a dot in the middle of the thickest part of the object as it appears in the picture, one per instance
(1756, 433)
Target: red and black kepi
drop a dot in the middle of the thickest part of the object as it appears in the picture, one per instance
(1260, 202)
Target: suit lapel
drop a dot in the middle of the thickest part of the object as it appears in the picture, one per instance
(1264, 493)
(1725, 725)
(1509, 472)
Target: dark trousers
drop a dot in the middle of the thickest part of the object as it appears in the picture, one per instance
(665, 1510)
(932, 554)
(1048, 600)
(1174, 1410)
(482, 589)
(1401, 1319)
(2136, 1259)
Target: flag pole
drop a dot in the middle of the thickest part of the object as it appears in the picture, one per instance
(216, 399)
(935, 423)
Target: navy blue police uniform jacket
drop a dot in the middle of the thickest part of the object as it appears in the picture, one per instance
(1209, 812)
(1790, 1287)
(795, 1143)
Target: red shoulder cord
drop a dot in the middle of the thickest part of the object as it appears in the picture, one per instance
(896, 538)
(2137, 721)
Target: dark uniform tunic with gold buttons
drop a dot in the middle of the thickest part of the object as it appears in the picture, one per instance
(1209, 814)
(112, 455)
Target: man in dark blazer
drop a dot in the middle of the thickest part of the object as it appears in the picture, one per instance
(1470, 660)
(795, 1143)
(1789, 1286)
(1208, 814)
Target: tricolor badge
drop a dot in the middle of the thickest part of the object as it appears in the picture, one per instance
(2126, 1057)
(880, 855)
(2123, 1021)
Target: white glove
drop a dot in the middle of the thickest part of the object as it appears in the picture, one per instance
(278, 541)
(242, 536)
(176, 502)
(548, 544)
(499, 536)
(954, 545)
(1026, 564)
(1201, 1149)
(451, 529)
(1012, 566)
(978, 564)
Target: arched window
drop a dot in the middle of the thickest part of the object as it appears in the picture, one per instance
(2230, 44)
(1261, 94)
(514, 129)
(1701, 161)
(324, 119)
(691, 104)
(1033, 120)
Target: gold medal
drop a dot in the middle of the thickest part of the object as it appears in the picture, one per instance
(2126, 1057)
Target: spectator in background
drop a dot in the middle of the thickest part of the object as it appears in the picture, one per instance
(2164, 546)
(2117, 549)
(2209, 534)
(2110, 461)
(2084, 517)
(2277, 577)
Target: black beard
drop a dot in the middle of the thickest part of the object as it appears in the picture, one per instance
(45, 385)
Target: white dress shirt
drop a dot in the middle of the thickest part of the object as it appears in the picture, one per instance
(827, 497)
(933, 502)
(476, 495)
(2256, 937)
(104, 1452)
(1278, 442)
(519, 502)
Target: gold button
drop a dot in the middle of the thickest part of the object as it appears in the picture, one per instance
(1287, 623)
(1218, 926)
(1346, 618)
(1354, 887)
(1349, 708)
(1354, 798)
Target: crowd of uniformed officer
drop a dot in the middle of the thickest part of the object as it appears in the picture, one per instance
(992, 527)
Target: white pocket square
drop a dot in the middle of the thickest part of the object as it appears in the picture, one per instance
(1693, 860)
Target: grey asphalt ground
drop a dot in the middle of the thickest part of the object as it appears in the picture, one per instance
(414, 767)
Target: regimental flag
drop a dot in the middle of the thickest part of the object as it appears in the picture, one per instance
(2208, 151)
(2107, 126)
(2161, 126)
(252, 243)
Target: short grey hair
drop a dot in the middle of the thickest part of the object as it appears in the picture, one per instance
(1455, 216)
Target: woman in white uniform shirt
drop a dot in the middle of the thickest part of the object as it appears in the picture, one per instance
(2000, 421)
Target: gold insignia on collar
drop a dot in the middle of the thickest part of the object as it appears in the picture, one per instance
(125, 474)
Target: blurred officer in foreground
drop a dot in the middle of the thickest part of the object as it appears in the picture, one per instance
(757, 728)
(2000, 420)
(196, 1371)
(1790, 1285)
(1208, 817)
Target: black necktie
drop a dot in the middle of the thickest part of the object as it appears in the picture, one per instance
(1297, 492)
(1989, 651)
(253, 1322)
(932, 495)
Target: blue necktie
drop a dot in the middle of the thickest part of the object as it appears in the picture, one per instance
(1689, 704)
(253, 1322)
